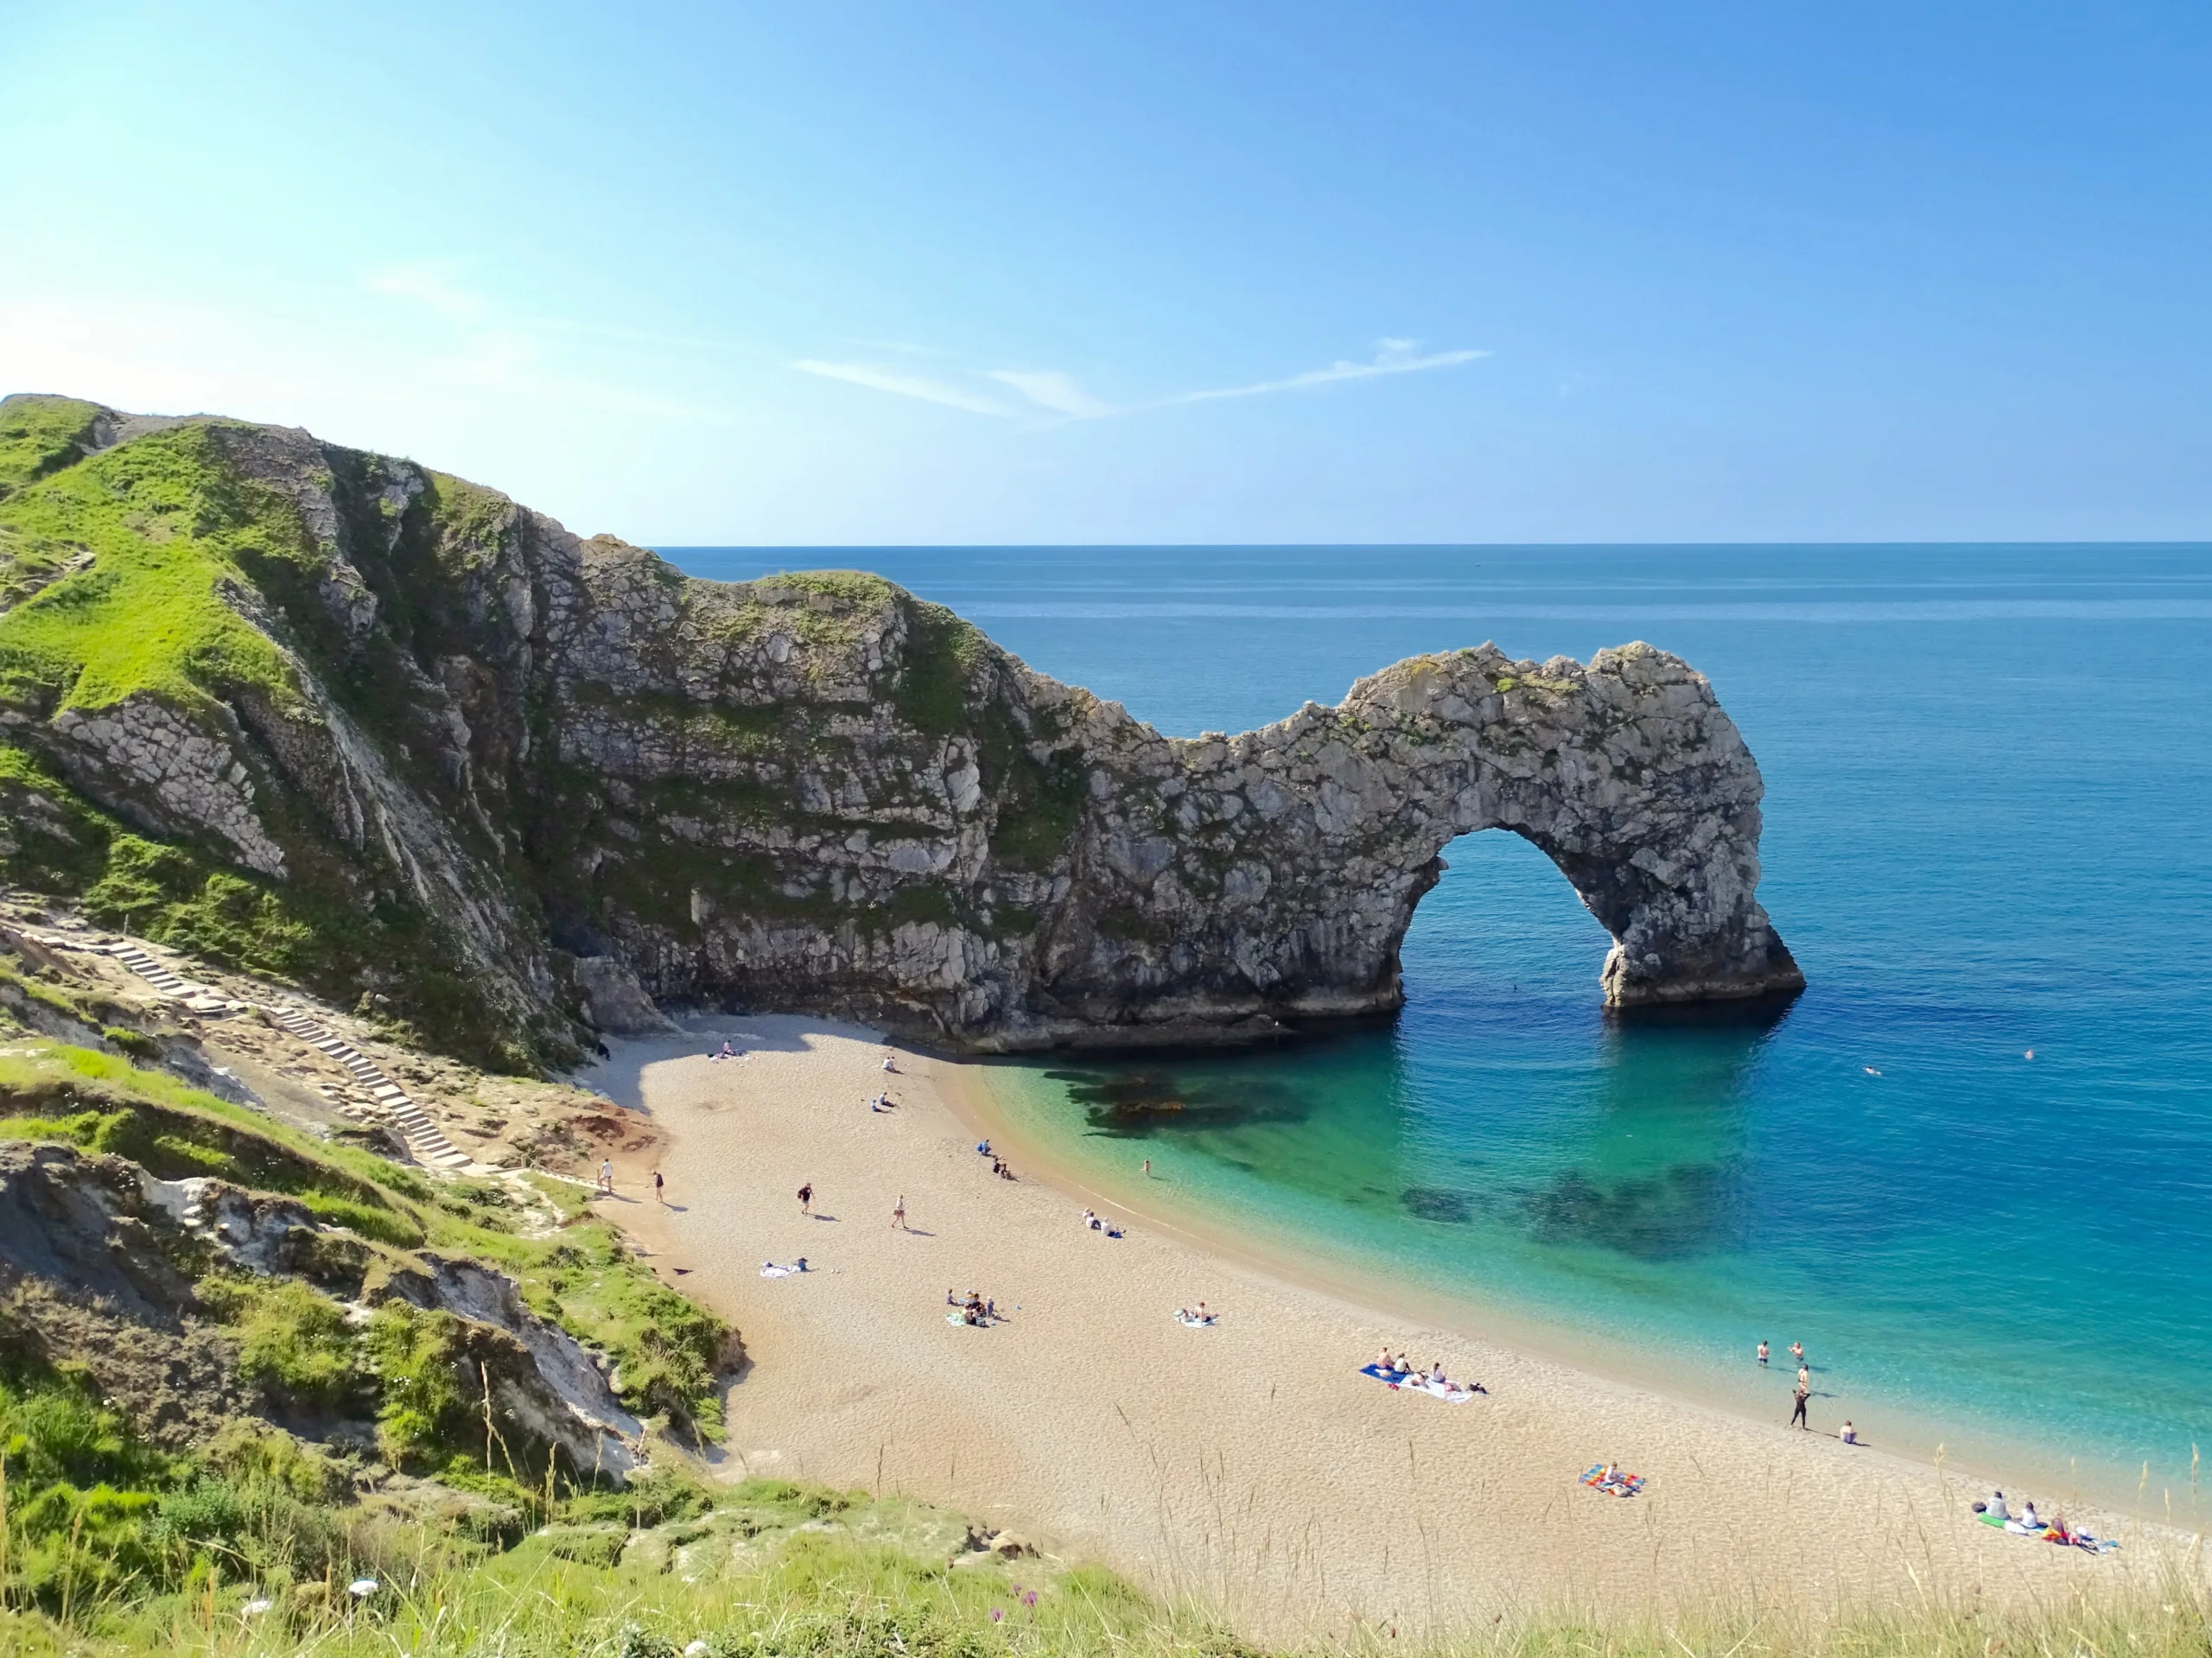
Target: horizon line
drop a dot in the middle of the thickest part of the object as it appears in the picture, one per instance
(1383, 546)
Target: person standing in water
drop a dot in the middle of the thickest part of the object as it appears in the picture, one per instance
(1797, 1351)
(1762, 1356)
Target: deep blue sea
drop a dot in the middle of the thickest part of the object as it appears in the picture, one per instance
(1988, 836)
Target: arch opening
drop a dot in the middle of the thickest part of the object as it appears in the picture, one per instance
(1502, 921)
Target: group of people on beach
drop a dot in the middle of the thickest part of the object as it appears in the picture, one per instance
(1402, 1370)
(978, 1310)
(1801, 1395)
(999, 1167)
(1093, 1222)
(2024, 1522)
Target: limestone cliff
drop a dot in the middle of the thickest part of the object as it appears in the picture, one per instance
(409, 735)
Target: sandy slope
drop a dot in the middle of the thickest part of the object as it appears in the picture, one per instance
(1249, 1463)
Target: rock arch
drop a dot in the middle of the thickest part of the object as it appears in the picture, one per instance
(1221, 883)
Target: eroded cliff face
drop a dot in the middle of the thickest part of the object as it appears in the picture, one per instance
(815, 791)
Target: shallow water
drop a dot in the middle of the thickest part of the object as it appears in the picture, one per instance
(1988, 832)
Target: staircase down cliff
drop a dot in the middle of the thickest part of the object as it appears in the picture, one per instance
(334, 715)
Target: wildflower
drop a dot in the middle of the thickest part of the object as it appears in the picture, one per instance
(1030, 1599)
(996, 1615)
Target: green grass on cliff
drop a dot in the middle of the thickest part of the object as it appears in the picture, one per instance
(38, 435)
(167, 522)
(133, 573)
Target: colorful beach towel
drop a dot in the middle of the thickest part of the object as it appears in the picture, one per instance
(1410, 1382)
(1189, 1322)
(2081, 1539)
(1619, 1485)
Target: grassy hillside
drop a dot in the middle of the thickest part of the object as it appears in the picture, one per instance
(160, 570)
(574, 1270)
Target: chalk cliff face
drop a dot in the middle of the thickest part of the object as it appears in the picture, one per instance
(558, 765)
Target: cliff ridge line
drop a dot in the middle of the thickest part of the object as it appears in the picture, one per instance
(493, 777)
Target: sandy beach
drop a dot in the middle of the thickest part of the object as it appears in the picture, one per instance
(1249, 1463)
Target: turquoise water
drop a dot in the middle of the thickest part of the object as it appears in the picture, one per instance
(1988, 831)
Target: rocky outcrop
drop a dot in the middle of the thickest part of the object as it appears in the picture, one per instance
(604, 782)
(168, 776)
(99, 1266)
(614, 1001)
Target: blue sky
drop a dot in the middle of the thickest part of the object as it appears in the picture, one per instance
(956, 272)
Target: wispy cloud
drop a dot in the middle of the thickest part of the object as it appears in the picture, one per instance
(1391, 357)
(878, 378)
(431, 285)
(1050, 389)
(1060, 394)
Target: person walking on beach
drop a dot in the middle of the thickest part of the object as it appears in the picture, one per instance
(1797, 1414)
(899, 1213)
(1762, 1356)
(606, 1174)
(658, 1184)
(806, 1198)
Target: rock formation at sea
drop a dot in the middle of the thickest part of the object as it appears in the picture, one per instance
(576, 782)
